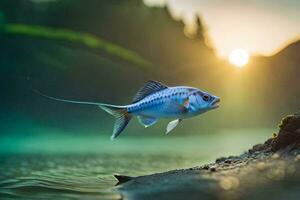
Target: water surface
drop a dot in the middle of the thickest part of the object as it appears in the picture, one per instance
(82, 167)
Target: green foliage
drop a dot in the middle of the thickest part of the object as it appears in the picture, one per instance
(86, 39)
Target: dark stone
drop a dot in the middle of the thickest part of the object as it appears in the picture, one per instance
(228, 161)
(222, 159)
(213, 169)
(122, 179)
(289, 133)
(206, 167)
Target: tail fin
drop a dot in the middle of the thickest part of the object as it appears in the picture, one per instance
(122, 118)
(119, 112)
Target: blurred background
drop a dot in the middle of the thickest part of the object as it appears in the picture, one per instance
(104, 51)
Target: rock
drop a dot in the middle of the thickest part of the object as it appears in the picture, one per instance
(122, 179)
(205, 167)
(289, 133)
(267, 171)
(222, 159)
(228, 161)
(213, 169)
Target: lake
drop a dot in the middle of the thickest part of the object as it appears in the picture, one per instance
(60, 166)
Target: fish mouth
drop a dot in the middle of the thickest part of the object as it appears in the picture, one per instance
(216, 103)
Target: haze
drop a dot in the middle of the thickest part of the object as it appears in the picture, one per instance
(259, 27)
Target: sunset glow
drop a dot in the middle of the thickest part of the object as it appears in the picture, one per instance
(242, 23)
(239, 58)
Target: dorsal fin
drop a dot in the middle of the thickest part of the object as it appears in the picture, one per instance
(149, 88)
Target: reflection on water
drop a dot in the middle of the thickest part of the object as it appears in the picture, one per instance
(73, 176)
(42, 173)
(76, 176)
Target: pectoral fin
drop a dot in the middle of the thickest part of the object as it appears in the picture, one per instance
(186, 103)
(147, 121)
(172, 125)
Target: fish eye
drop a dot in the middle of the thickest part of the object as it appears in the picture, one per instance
(205, 97)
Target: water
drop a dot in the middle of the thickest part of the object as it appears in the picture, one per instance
(82, 167)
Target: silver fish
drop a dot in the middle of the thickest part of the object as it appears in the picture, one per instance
(154, 101)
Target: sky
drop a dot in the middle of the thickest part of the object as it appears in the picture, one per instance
(259, 26)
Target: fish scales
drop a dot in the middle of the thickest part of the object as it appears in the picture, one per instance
(159, 101)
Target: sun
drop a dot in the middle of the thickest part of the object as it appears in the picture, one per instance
(238, 57)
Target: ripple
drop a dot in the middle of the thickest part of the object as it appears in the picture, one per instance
(75, 176)
(37, 188)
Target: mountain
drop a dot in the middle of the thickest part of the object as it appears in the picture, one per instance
(275, 80)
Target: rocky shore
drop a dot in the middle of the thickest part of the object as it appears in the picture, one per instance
(266, 171)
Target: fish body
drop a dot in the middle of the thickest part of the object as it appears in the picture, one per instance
(155, 101)
(172, 103)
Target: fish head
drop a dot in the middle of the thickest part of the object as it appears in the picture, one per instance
(201, 101)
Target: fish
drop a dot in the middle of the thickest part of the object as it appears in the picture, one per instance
(155, 101)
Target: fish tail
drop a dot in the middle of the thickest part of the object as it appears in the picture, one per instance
(122, 117)
(65, 100)
(119, 112)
